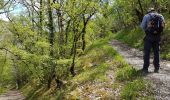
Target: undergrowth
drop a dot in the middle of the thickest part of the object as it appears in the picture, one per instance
(100, 72)
(137, 88)
(2, 90)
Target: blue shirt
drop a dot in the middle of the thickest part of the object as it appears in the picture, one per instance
(146, 19)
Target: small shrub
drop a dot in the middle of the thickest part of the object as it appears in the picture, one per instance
(126, 73)
(135, 90)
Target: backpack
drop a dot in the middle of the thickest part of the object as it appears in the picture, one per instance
(155, 25)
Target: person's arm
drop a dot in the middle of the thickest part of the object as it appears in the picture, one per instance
(163, 24)
(144, 23)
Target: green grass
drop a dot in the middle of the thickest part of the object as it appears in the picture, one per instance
(138, 88)
(132, 83)
(126, 73)
(2, 90)
(96, 62)
(132, 37)
(33, 91)
(92, 74)
(165, 45)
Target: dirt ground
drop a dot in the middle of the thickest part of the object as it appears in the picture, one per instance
(12, 95)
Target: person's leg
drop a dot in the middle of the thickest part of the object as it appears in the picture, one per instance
(156, 55)
(147, 49)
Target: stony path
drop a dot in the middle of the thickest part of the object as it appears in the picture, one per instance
(161, 80)
(12, 95)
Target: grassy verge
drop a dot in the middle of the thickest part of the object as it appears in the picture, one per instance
(133, 84)
(35, 91)
(99, 64)
(137, 88)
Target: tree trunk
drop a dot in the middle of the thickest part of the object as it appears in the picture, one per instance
(141, 13)
(74, 56)
(41, 17)
(60, 27)
(85, 22)
(84, 32)
(16, 74)
(83, 41)
(50, 25)
(67, 32)
(32, 13)
(61, 35)
(51, 41)
(119, 18)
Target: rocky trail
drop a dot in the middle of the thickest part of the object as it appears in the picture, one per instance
(12, 95)
(160, 81)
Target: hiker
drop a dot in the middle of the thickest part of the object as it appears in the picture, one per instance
(153, 24)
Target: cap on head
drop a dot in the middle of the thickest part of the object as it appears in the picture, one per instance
(151, 9)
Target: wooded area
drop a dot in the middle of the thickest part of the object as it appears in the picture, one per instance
(45, 40)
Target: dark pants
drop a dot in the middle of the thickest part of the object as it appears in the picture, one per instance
(148, 44)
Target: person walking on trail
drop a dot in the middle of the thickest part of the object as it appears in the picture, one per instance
(153, 24)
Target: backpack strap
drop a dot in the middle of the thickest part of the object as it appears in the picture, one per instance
(150, 17)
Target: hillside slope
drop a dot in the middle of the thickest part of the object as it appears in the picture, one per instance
(102, 74)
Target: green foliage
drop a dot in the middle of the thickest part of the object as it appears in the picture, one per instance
(134, 86)
(96, 54)
(133, 37)
(2, 90)
(63, 66)
(138, 88)
(126, 73)
(165, 55)
(103, 27)
(165, 44)
(34, 90)
(91, 74)
(98, 44)
(5, 71)
(96, 61)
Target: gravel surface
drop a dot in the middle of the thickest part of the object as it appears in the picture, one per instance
(160, 81)
(12, 95)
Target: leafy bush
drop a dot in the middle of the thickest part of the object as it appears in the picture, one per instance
(126, 73)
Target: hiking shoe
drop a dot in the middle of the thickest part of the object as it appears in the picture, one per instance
(144, 71)
(156, 70)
